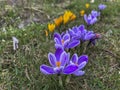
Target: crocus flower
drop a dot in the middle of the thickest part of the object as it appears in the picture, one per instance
(95, 13)
(65, 19)
(64, 41)
(58, 63)
(94, 38)
(68, 15)
(80, 33)
(46, 33)
(87, 5)
(90, 20)
(51, 27)
(15, 43)
(82, 12)
(102, 6)
(80, 62)
(73, 17)
(58, 21)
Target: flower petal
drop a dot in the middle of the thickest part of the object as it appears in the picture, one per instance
(93, 20)
(58, 36)
(58, 53)
(46, 69)
(79, 73)
(66, 37)
(89, 36)
(83, 58)
(81, 28)
(52, 59)
(70, 69)
(59, 46)
(74, 58)
(63, 58)
(57, 41)
(73, 44)
(58, 70)
(86, 18)
(82, 65)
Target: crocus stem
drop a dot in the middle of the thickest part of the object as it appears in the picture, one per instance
(84, 50)
(60, 81)
(68, 79)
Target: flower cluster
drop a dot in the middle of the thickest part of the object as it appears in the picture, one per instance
(63, 19)
(74, 36)
(60, 61)
(92, 17)
(62, 64)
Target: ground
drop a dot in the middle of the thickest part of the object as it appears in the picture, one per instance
(19, 70)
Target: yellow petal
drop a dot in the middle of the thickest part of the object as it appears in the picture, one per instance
(87, 5)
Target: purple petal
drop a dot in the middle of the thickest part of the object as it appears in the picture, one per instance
(71, 32)
(52, 59)
(58, 70)
(79, 73)
(58, 46)
(57, 35)
(58, 52)
(82, 65)
(63, 58)
(73, 44)
(93, 21)
(90, 36)
(83, 58)
(74, 58)
(81, 28)
(66, 37)
(46, 69)
(68, 57)
(70, 69)
(57, 41)
(85, 18)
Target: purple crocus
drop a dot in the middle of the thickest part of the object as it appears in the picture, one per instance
(94, 38)
(64, 41)
(95, 13)
(90, 19)
(58, 62)
(80, 33)
(102, 6)
(80, 62)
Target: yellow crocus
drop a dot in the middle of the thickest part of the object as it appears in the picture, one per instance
(87, 5)
(51, 27)
(46, 33)
(82, 12)
(73, 17)
(66, 17)
(58, 21)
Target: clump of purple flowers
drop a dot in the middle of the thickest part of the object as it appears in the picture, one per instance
(81, 34)
(60, 61)
(73, 37)
(92, 18)
(64, 41)
(102, 6)
(61, 64)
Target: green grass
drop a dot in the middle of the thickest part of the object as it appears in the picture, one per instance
(19, 70)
